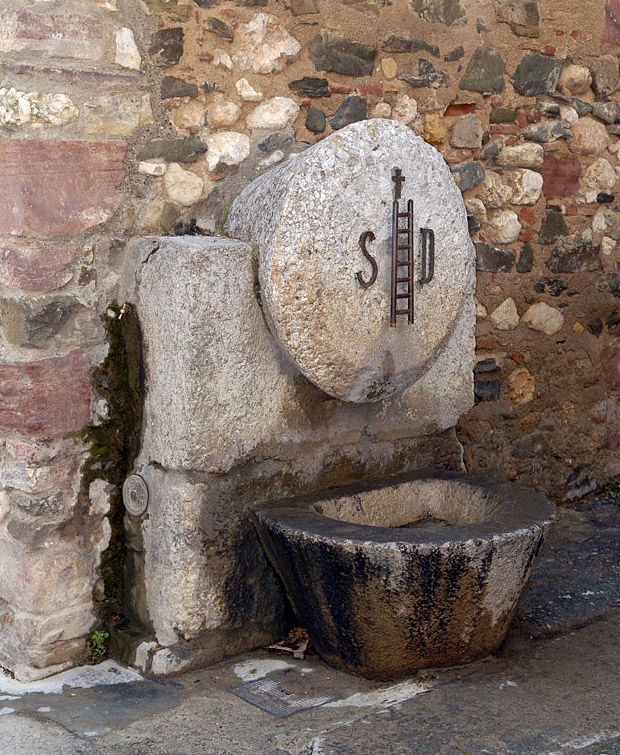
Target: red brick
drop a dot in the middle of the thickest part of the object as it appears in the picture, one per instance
(51, 187)
(374, 90)
(35, 266)
(459, 108)
(503, 128)
(340, 90)
(67, 35)
(560, 176)
(45, 399)
(527, 234)
(610, 365)
(582, 209)
(527, 215)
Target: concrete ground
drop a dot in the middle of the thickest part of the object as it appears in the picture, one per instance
(553, 688)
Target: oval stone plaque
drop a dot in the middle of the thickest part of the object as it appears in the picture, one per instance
(135, 495)
(307, 217)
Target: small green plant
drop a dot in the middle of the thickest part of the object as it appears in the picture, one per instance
(97, 644)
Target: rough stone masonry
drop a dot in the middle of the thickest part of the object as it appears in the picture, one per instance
(121, 118)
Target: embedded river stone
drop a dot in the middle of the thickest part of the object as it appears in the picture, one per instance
(307, 217)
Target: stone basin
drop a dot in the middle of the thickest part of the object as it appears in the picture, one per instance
(412, 572)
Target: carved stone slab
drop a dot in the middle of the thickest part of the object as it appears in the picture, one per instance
(307, 216)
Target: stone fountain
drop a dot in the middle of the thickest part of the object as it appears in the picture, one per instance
(307, 373)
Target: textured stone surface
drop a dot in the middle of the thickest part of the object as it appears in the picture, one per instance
(503, 227)
(505, 316)
(493, 259)
(604, 75)
(493, 191)
(19, 108)
(599, 177)
(329, 52)
(541, 316)
(467, 132)
(521, 156)
(182, 186)
(467, 175)
(351, 110)
(316, 120)
(484, 72)
(166, 46)
(526, 185)
(521, 384)
(127, 54)
(263, 45)
(222, 113)
(317, 306)
(273, 114)
(172, 86)
(117, 114)
(311, 86)
(41, 196)
(425, 74)
(45, 399)
(35, 266)
(448, 12)
(574, 79)
(521, 15)
(441, 595)
(395, 43)
(247, 92)
(536, 74)
(228, 147)
(58, 35)
(589, 137)
(553, 226)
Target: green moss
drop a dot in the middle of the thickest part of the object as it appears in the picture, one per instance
(114, 444)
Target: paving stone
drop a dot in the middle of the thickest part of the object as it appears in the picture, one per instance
(310, 86)
(484, 72)
(425, 74)
(467, 175)
(448, 12)
(332, 53)
(166, 47)
(316, 120)
(536, 74)
(40, 197)
(394, 43)
(553, 226)
(351, 110)
(171, 86)
(45, 399)
(263, 45)
(493, 259)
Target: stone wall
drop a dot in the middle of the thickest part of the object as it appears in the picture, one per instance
(121, 118)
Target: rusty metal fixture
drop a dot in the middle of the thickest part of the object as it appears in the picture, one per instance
(402, 257)
(135, 495)
(367, 236)
(428, 255)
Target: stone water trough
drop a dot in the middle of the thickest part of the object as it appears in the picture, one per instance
(418, 571)
(328, 345)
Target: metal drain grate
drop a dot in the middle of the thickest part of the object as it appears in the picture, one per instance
(271, 697)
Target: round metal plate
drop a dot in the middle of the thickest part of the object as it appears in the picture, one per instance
(135, 495)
